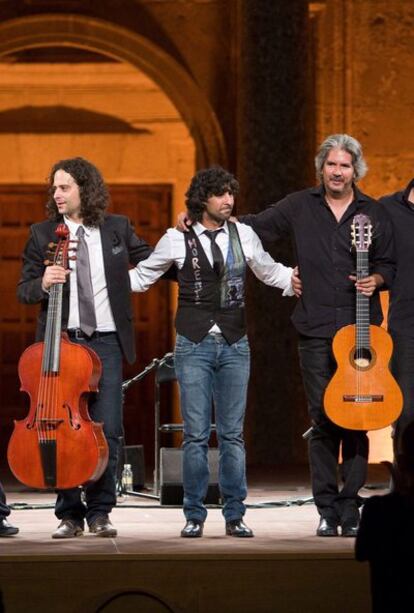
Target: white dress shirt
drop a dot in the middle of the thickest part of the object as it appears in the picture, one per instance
(104, 318)
(171, 249)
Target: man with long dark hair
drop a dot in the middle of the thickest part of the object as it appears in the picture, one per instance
(212, 356)
(96, 313)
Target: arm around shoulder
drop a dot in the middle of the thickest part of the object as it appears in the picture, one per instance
(263, 265)
(148, 271)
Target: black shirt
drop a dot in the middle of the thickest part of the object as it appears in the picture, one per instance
(401, 311)
(324, 255)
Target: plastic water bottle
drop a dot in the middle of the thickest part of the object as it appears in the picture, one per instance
(127, 478)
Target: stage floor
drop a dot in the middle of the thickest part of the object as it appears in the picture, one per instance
(280, 513)
(282, 516)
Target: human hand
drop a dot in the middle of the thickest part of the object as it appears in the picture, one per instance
(53, 274)
(183, 221)
(367, 285)
(296, 282)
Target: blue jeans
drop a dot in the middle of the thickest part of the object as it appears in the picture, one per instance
(104, 406)
(211, 371)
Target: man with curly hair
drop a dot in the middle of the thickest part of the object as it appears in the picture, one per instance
(212, 356)
(79, 197)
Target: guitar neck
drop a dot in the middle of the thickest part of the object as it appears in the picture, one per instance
(362, 304)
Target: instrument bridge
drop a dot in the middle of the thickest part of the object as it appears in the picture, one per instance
(365, 398)
(48, 424)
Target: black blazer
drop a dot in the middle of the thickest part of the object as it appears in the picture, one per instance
(121, 247)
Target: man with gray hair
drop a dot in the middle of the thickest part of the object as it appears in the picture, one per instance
(319, 221)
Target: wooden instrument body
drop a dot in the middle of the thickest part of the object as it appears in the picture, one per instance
(81, 447)
(58, 446)
(362, 396)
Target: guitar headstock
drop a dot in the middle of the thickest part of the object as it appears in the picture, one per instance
(361, 232)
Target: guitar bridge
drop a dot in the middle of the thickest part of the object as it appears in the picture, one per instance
(367, 398)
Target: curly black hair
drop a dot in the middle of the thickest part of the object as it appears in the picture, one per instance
(214, 181)
(93, 192)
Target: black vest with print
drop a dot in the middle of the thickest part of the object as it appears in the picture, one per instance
(205, 298)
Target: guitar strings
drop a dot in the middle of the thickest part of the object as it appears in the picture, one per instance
(49, 388)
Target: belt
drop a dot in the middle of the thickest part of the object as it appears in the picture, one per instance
(78, 333)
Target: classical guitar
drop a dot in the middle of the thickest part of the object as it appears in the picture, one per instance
(362, 394)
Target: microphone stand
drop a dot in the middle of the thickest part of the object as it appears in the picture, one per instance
(155, 363)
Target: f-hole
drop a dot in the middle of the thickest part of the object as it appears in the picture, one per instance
(74, 425)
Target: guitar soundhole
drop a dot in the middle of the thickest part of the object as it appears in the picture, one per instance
(362, 357)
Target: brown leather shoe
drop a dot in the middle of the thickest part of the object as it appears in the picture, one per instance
(68, 529)
(101, 526)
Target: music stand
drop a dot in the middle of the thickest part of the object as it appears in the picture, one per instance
(155, 363)
(165, 372)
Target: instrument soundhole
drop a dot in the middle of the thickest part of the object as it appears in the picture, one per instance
(362, 357)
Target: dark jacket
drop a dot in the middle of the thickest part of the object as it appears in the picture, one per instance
(120, 247)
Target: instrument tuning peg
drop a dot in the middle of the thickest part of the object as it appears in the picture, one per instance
(47, 262)
(72, 257)
(52, 246)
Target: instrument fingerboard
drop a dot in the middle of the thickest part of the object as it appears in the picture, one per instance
(361, 231)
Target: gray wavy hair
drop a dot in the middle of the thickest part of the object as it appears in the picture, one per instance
(347, 143)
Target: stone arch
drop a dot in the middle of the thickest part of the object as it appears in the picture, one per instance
(121, 44)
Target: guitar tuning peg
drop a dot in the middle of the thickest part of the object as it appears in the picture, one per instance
(47, 262)
(52, 246)
(72, 257)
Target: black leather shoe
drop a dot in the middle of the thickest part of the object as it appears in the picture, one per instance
(237, 527)
(7, 529)
(101, 526)
(350, 529)
(326, 529)
(68, 529)
(192, 529)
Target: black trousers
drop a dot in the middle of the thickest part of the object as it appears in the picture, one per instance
(4, 509)
(402, 367)
(335, 489)
(106, 407)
